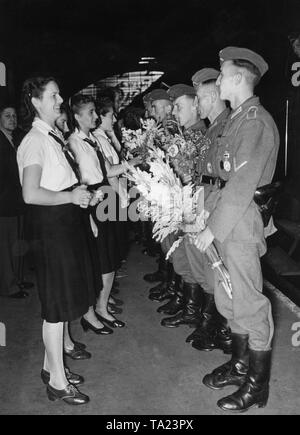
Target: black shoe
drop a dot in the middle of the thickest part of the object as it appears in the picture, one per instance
(154, 277)
(25, 285)
(77, 353)
(254, 392)
(79, 345)
(219, 338)
(70, 395)
(113, 309)
(166, 293)
(234, 371)
(113, 324)
(99, 331)
(19, 295)
(116, 301)
(73, 378)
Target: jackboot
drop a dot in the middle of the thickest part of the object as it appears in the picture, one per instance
(234, 371)
(165, 289)
(255, 390)
(161, 273)
(177, 302)
(191, 313)
(213, 332)
(204, 328)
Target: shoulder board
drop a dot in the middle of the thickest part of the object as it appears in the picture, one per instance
(252, 111)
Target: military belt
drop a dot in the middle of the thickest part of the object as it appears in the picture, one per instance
(215, 181)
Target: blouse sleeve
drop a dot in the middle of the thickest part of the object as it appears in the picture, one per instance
(33, 153)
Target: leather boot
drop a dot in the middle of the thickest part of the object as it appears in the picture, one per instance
(161, 273)
(191, 314)
(213, 332)
(255, 390)
(166, 289)
(234, 371)
(168, 277)
(207, 316)
(176, 303)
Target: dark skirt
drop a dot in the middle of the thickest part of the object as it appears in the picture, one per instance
(66, 279)
(108, 239)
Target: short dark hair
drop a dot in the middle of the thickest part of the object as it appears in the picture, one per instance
(77, 102)
(251, 68)
(6, 105)
(104, 105)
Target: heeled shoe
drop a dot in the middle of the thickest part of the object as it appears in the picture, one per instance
(113, 324)
(113, 309)
(70, 395)
(79, 345)
(116, 301)
(77, 353)
(73, 378)
(99, 331)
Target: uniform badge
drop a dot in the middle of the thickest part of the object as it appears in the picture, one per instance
(209, 168)
(226, 163)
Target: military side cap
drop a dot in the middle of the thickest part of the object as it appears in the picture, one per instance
(232, 53)
(147, 98)
(204, 75)
(177, 91)
(158, 94)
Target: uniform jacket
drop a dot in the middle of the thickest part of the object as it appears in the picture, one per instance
(245, 158)
(11, 201)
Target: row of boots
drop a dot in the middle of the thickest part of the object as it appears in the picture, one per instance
(189, 305)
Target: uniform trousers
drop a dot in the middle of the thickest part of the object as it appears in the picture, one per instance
(193, 266)
(249, 311)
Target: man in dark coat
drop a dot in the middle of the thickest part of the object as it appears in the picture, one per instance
(11, 208)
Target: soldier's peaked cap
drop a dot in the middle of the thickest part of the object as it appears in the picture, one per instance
(177, 91)
(156, 94)
(232, 53)
(204, 75)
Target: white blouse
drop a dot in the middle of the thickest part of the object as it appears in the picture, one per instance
(38, 148)
(107, 147)
(86, 157)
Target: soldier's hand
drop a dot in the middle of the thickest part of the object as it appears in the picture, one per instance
(204, 239)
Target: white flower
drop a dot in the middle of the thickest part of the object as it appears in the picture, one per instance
(173, 150)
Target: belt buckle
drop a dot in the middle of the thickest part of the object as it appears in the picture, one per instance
(219, 183)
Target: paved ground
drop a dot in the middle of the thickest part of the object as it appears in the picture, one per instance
(141, 369)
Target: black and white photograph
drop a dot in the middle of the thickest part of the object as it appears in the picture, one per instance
(149, 210)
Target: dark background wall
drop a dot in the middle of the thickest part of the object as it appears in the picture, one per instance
(80, 42)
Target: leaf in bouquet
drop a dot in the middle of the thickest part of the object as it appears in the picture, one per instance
(174, 247)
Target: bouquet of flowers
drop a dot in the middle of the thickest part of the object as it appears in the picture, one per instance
(185, 150)
(174, 208)
(140, 142)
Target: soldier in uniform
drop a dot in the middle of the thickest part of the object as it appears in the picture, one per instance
(186, 304)
(213, 332)
(245, 160)
(159, 105)
(189, 262)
